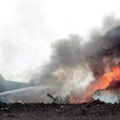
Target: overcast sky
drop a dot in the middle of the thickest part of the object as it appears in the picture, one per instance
(28, 27)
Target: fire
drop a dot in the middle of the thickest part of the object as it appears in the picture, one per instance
(107, 79)
(103, 83)
(73, 100)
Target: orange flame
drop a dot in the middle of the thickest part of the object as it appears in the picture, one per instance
(112, 76)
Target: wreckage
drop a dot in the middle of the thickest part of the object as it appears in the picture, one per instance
(107, 95)
(38, 95)
(57, 99)
(35, 94)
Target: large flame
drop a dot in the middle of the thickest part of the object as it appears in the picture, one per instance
(107, 79)
(113, 75)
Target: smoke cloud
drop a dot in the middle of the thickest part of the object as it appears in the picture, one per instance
(74, 65)
(64, 65)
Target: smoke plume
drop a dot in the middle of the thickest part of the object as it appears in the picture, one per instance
(74, 65)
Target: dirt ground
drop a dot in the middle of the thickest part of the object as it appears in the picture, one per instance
(89, 111)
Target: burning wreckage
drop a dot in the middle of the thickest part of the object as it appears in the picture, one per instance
(105, 65)
(109, 95)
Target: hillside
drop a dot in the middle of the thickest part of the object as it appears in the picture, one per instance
(6, 85)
